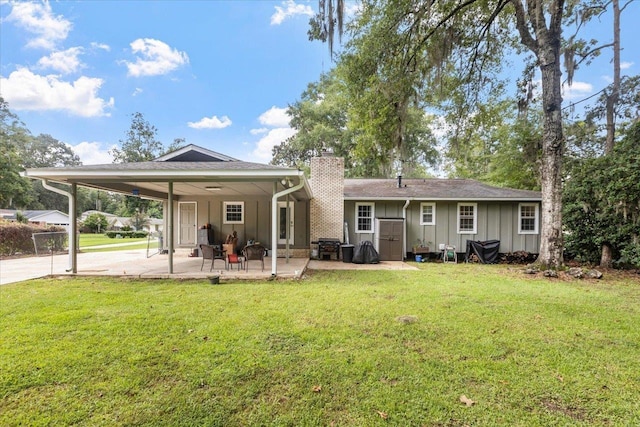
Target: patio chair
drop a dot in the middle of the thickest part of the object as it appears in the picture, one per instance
(253, 253)
(235, 259)
(212, 253)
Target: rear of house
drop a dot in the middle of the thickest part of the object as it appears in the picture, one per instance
(398, 215)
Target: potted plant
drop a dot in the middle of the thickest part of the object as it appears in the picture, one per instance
(421, 247)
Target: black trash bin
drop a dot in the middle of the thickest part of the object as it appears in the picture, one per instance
(347, 253)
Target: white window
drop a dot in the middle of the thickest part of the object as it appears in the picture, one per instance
(233, 213)
(528, 218)
(427, 214)
(467, 218)
(364, 217)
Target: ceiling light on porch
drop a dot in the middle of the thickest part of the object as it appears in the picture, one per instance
(213, 188)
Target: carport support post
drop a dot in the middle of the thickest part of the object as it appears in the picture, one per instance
(73, 222)
(274, 220)
(73, 228)
(170, 227)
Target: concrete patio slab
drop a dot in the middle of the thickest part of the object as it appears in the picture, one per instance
(134, 263)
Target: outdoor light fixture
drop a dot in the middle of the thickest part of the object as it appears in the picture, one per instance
(286, 182)
(213, 188)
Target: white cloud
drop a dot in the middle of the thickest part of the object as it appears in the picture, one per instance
(276, 130)
(155, 58)
(289, 9)
(212, 122)
(38, 19)
(258, 131)
(137, 92)
(275, 117)
(625, 65)
(96, 45)
(24, 90)
(63, 61)
(577, 90)
(263, 151)
(90, 153)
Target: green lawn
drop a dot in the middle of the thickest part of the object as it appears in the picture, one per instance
(89, 240)
(354, 348)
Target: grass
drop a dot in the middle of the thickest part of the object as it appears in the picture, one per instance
(89, 240)
(359, 348)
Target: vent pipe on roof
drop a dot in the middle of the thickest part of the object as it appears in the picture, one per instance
(399, 181)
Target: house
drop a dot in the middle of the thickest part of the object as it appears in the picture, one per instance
(208, 195)
(397, 214)
(44, 218)
(117, 222)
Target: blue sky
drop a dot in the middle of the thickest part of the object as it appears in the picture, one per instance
(218, 73)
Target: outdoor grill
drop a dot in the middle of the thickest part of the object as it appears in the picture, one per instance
(328, 246)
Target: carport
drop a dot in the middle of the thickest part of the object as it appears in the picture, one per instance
(185, 174)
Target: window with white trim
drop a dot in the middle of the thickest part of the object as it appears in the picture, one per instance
(528, 218)
(233, 213)
(364, 217)
(467, 218)
(427, 213)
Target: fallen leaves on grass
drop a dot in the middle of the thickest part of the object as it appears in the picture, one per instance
(317, 388)
(383, 415)
(464, 399)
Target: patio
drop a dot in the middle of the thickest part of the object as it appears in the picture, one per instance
(135, 264)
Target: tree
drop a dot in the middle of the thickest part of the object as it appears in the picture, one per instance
(140, 144)
(15, 191)
(602, 205)
(324, 120)
(477, 30)
(139, 220)
(585, 51)
(96, 222)
(330, 17)
(320, 119)
(45, 151)
(41, 152)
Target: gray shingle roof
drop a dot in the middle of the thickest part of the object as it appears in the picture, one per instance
(171, 166)
(432, 189)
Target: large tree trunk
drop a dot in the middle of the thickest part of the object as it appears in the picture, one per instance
(551, 241)
(544, 42)
(612, 99)
(606, 260)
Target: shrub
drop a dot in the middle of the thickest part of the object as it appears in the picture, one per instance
(16, 238)
(126, 233)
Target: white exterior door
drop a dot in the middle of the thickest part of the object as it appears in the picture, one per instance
(282, 223)
(188, 223)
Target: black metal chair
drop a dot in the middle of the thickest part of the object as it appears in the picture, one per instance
(212, 253)
(253, 253)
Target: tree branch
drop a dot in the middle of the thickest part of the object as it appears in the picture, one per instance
(521, 25)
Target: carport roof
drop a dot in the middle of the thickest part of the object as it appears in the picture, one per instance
(220, 175)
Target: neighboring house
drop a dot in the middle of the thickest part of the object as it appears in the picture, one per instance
(117, 222)
(280, 208)
(45, 218)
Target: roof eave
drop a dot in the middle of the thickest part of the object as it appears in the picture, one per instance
(446, 199)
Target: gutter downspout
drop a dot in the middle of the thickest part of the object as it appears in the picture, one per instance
(73, 223)
(404, 228)
(274, 222)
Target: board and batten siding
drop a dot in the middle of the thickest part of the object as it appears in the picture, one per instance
(257, 219)
(495, 221)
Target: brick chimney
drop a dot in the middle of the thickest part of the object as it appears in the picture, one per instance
(327, 205)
